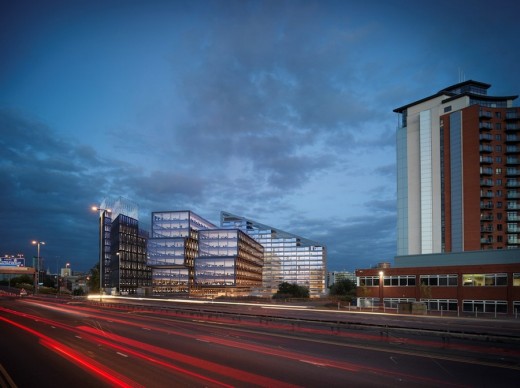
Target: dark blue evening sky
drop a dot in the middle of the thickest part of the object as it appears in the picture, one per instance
(280, 111)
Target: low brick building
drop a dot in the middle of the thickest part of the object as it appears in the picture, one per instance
(466, 283)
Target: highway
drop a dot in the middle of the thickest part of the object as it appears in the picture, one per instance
(54, 342)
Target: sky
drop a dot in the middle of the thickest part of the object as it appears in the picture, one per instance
(279, 111)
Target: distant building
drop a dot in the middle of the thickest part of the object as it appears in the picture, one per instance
(287, 257)
(458, 172)
(336, 276)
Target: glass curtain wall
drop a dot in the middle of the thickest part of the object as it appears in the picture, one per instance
(287, 257)
(173, 248)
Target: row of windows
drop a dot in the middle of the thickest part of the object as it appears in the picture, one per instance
(439, 280)
(468, 306)
(449, 280)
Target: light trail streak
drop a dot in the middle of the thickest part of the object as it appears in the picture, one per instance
(208, 302)
(199, 363)
(185, 359)
(98, 370)
(56, 308)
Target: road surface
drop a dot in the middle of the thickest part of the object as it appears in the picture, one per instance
(58, 342)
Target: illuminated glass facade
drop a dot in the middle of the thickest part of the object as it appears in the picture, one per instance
(228, 257)
(172, 250)
(287, 257)
(190, 255)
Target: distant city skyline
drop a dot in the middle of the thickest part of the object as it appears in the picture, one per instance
(280, 111)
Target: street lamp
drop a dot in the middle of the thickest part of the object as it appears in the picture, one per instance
(101, 229)
(36, 277)
(381, 285)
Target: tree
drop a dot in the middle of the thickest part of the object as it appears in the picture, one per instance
(343, 289)
(425, 291)
(23, 279)
(291, 290)
(93, 280)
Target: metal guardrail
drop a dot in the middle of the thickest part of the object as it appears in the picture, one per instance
(335, 325)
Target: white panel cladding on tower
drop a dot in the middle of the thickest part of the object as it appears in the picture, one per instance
(425, 140)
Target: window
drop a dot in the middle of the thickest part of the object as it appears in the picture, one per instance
(401, 280)
(498, 159)
(369, 281)
(499, 216)
(498, 182)
(393, 303)
(499, 227)
(499, 205)
(484, 280)
(439, 280)
(441, 304)
(498, 126)
(498, 115)
(516, 279)
(368, 302)
(447, 109)
(498, 148)
(498, 171)
(484, 306)
(498, 137)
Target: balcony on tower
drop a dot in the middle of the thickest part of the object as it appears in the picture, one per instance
(485, 148)
(513, 239)
(486, 240)
(486, 137)
(486, 159)
(486, 228)
(486, 205)
(513, 194)
(486, 182)
(513, 216)
(486, 217)
(512, 183)
(512, 205)
(512, 171)
(512, 115)
(484, 114)
(486, 171)
(485, 126)
(512, 127)
(513, 228)
(486, 194)
(512, 138)
(512, 149)
(512, 160)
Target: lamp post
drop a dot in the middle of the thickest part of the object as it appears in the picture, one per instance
(101, 229)
(37, 275)
(381, 285)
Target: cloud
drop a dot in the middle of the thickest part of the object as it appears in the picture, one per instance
(48, 186)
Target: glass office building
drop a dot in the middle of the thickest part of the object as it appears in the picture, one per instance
(172, 250)
(128, 271)
(189, 255)
(228, 258)
(287, 257)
